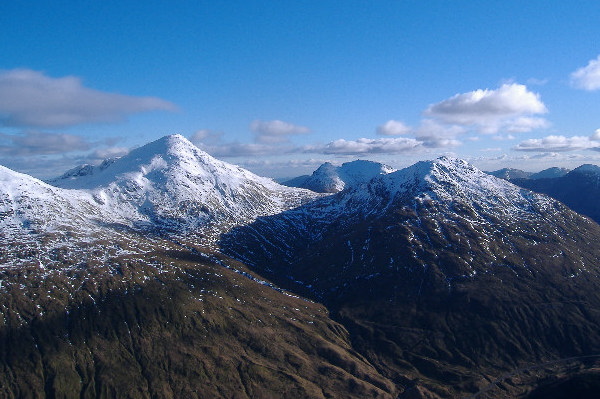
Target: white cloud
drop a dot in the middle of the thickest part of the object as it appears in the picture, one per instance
(108, 153)
(40, 143)
(275, 131)
(525, 124)
(436, 135)
(206, 136)
(397, 145)
(393, 128)
(31, 99)
(587, 77)
(508, 107)
(236, 149)
(557, 143)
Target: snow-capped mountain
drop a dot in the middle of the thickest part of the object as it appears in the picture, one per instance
(579, 189)
(329, 178)
(82, 170)
(550, 173)
(174, 184)
(440, 275)
(166, 187)
(434, 210)
(29, 205)
(93, 303)
(510, 173)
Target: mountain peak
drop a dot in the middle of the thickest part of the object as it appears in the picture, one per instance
(329, 178)
(588, 168)
(449, 181)
(510, 173)
(172, 183)
(550, 173)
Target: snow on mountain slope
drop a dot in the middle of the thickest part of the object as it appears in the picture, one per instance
(172, 183)
(510, 173)
(82, 170)
(445, 181)
(166, 187)
(416, 216)
(332, 179)
(29, 204)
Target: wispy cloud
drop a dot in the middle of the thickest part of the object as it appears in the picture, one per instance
(45, 155)
(393, 128)
(40, 143)
(236, 149)
(206, 137)
(587, 77)
(436, 135)
(509, 107)
(275, 131)
(396, 145)
(558, 143)
(101, 154)
(31, 99)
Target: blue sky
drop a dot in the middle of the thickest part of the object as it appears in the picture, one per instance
(281, 86)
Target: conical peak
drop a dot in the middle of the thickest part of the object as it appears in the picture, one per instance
(174, 144)
(326, 167)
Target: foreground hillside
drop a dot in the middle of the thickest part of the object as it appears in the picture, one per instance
(171, 324)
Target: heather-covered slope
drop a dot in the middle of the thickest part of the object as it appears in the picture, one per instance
(441, 272)
(172, 323)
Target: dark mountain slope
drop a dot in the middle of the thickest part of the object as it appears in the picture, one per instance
(578, 189)
(440, 272)
(171, 324)
(550, 173)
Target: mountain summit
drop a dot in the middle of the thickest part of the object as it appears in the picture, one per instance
(329, 178)
(172, 183)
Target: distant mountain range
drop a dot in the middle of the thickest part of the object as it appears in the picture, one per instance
(169, 273)
(512, 174)
(579, 188)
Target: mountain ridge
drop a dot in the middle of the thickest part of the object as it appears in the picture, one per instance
(437, 270)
